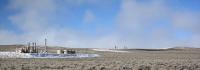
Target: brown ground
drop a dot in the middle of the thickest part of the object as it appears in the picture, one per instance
(140, 59)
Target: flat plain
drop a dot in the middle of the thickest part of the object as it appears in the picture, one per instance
(134, 59)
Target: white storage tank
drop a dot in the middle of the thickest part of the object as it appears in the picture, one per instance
(65, 51)
(59, 51)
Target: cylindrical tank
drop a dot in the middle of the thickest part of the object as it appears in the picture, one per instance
(65, 51)
(59, 51)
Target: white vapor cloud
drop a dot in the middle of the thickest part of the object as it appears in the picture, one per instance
(135, 20)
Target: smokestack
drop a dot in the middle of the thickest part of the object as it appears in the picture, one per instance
(32, 47)
(28, 44)
(35, 48)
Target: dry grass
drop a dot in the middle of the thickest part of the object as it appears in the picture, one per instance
(135, 60)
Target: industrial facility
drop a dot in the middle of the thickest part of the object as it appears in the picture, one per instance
(31, 47)
(33, 50)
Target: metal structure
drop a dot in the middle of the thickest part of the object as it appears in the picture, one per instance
(45, 45)
(29, 48)
(68, 51)
(115, 47)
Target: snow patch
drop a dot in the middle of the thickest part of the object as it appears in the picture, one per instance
(109, 50)
(44, 55)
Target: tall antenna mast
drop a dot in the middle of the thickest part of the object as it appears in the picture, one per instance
(45, 45)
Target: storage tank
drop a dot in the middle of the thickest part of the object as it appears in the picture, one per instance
(65, 51)
(59, 51)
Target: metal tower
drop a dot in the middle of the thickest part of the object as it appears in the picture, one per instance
(45, 45)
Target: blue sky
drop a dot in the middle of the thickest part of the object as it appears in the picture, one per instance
(101, 23)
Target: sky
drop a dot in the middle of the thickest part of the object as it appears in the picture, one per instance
(101, 23)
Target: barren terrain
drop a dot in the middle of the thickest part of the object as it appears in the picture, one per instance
(134, 59)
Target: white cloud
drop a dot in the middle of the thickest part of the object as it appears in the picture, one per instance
(89, 16)
(135, 18)
(36, 19)
(134, 14)
(187, 21)
(8, 37)
(33, 15)
(96, 3)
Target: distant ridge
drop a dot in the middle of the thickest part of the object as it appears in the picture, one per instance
(13, 46)
(179, 47)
